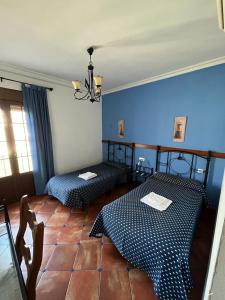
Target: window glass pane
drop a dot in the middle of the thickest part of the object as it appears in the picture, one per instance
(23, 164)
(2, 133)
(21, 148)
(23, 152)
(30, 162)
(19, 132)
(3, 150)
(1, 116)
(20, 164)
(28, 149)
(16, 114)
(2, 128)
(5, 167)
(8, 171)
(26, 132)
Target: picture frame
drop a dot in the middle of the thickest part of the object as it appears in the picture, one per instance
(179, 130)
(121, 128)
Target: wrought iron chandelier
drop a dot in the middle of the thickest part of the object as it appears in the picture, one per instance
(92, 89)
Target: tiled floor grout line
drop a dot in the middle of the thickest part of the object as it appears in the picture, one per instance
(131, 294)
(70, 277)
(99, 285)
(68, 284)
(100, 273)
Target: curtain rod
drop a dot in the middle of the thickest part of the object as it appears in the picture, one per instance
(3, 78)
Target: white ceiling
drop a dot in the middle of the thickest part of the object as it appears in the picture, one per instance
(140, 39)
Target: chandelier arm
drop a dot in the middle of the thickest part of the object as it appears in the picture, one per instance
(89, 79)
(82, 98)
(92, 85)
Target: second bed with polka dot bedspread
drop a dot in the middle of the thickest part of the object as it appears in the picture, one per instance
(158, 243)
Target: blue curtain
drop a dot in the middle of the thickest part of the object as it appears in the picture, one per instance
(36, 109)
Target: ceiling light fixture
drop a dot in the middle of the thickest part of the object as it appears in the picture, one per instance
(93, 85)
(221, 13)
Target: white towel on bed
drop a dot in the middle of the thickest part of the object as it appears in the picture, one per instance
(87, 175)
(156, 201)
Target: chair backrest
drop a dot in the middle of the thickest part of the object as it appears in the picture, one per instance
(33, 263)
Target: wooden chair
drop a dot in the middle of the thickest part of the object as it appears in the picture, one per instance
(33, 263)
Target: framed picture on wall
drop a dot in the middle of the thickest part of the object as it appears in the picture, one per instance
(179, 129)
(121, 128)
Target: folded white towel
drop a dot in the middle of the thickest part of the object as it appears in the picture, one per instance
(156, 201)
(87, 175)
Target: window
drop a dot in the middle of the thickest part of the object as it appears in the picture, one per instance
(23, 153)
(5, 168)
(15, 153)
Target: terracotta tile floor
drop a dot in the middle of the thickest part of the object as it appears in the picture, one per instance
(75, 266)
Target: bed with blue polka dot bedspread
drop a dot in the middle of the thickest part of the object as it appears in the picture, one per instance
(76, 192)
(157, 242)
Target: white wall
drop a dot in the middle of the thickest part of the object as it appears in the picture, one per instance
(76, 126)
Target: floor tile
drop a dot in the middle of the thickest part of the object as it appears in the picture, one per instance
(47, 252)
(37, 207)
(14, 208)
(58, 219)
(69, 235)
(33, 202)
(106, 240)
(14, 229)
(115, 285)
(49, 206)
(112, 259)
(92, 214)
(62, 209)
(53, 285)
(85, 234)
(14, 219)
(84, 285)
(75, 219)
(141, 286)
(62, 258)
(77, 210)
(43, 217)
(88, 256)
(51, 235)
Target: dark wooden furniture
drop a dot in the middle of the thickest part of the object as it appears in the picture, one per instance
(120, 152)
(33, 263)
(11, 278)
(214, 154)
(142, 174)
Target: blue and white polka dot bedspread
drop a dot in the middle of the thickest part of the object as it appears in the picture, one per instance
(76, 192)
(158, 243)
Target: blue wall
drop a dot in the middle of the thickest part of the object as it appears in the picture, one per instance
(149, 112)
